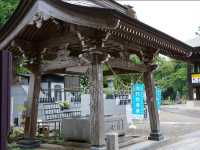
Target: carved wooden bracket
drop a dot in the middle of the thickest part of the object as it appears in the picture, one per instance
(38, 19)
(149, 55)
(89, 49)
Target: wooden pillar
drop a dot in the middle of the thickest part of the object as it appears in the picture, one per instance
(5, 87)
(33, 96)
(189, 78)
(32, 101)
(15, 77)
(198, 93)
(152, 107)
(96, 103)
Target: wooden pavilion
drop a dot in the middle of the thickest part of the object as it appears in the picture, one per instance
(68, 36)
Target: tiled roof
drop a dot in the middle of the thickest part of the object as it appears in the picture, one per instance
(87, 3)
(106, 4)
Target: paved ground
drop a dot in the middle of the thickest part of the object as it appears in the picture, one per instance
(180, 125)
(186, 142)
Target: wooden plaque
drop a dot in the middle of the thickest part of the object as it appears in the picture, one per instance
(72, 83)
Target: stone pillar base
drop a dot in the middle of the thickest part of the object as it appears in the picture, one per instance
(112, 141)
(156, 137)
(98, 148)
(28, 143)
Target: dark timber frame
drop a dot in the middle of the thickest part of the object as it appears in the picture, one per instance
(5, 85)
(62, 37)
(194, 68)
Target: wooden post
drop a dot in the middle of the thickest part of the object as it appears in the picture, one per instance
(32, 101)
(152, 107)
(189, 78)
(31, 116)
(96, 103)
(5, 87)
(33, 96)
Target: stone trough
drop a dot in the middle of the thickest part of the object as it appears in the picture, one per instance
(78, 129)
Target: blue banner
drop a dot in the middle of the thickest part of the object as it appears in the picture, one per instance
(138, 100)
(158, 97)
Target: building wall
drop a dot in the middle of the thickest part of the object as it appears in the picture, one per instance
(19, 95)
(194, 81)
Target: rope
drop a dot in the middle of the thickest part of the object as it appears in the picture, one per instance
(121, 82)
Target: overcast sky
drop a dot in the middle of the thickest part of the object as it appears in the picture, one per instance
(179, 19)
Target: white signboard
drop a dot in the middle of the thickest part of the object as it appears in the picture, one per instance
(195, 78)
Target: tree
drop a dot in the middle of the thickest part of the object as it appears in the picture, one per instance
(171, 76)
(7, 7)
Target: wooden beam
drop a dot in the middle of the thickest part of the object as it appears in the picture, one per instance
(96, 102)
(61, 63)
(71, 63)
(5, 88)
(152, 106)
(127, 65)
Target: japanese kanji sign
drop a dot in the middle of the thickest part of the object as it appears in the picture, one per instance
(138, 100)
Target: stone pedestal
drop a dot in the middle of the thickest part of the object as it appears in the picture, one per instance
(112, 141)
(155, 136)
(98, 148)
(29, 143)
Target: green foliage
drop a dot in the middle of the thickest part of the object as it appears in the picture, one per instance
(123, 82)
(20, 108)
(168, 101)
(84, 83)
(15, 134)
(13, 146)
(7, 7)
(65, 104)
(171, 76)
(108, 91)
(21, 69)
(135, 59)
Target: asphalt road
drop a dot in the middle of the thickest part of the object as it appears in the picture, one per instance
(178, 110)
(180, 126)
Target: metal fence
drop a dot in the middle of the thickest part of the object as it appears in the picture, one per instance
(52, 128)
